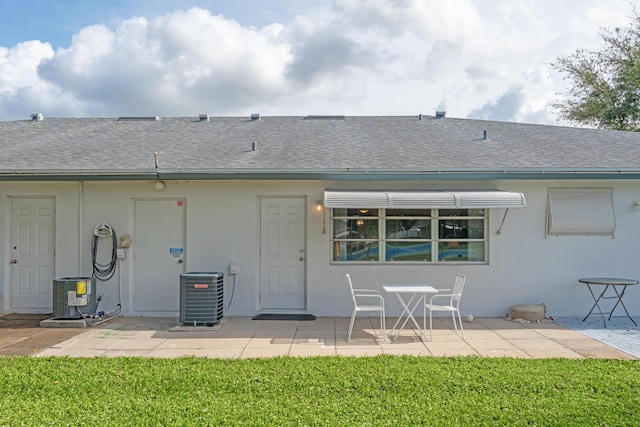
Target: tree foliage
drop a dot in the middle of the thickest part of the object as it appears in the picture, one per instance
(604, 85)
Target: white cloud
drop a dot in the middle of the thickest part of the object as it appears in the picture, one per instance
(479, 58)
(22, 90)
(173, 65)
(18, 64)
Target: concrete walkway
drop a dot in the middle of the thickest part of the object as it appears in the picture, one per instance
(241, 337)
(621, 332)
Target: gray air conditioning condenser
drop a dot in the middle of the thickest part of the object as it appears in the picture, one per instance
(201, 298)
(73, 297)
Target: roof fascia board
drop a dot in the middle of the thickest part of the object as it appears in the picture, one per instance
(292, 175)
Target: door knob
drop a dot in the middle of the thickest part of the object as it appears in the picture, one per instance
(179, 261)
(13, 261)
(301, 259)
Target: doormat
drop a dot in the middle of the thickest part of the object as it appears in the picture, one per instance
(265, 316)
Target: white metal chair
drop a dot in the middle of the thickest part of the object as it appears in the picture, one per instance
(359, 294)
(453, 307)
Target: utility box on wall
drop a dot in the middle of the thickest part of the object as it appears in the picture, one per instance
(73, 297)
(201, 298)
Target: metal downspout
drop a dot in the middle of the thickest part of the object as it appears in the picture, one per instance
(80, 224)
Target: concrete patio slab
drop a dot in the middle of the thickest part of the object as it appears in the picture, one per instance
(241, 337)
(320, 334)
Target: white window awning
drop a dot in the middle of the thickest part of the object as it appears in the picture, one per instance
(424, 199)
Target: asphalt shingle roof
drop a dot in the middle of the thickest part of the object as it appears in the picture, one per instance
(385, 144)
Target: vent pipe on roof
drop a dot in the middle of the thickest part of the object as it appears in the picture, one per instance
(157, 162)
(441, 113)
(419, 116)
(204, 117)
(255, 116)
(485, 134)
(254, 146)
(37, 117)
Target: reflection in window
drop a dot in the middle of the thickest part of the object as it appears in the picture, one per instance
(460, 251)
(409, 235)
(355, 251)
(355, 229)
(355, 235)
(408, 229)
(461, 228)
(408, 251)
(462, 212)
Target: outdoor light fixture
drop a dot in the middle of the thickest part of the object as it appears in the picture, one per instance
(319, 207)
(159, 185)
(635, 205)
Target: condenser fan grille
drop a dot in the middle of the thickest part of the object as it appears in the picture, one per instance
(201, 298)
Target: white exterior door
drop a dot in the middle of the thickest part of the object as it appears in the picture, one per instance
(158, 247)
(32, 255)
(282, 253)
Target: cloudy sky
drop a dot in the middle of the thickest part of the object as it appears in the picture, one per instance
(485, 59)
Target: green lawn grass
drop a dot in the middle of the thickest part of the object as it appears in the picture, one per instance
(319, 391)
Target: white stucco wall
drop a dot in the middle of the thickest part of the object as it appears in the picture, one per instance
(525, 266)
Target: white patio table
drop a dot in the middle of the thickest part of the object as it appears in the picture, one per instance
(415, 293)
